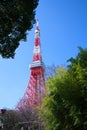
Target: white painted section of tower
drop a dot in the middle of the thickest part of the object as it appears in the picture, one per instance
(36, 49)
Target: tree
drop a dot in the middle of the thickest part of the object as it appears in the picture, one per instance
(16, 18)
(15, 119)
(10, 119)
(65, 106)
(50, 71)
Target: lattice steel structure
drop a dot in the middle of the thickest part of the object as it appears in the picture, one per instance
(36, 87)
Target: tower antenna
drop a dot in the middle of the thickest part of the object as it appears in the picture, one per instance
(37, 23)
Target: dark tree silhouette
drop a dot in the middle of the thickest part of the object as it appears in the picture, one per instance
(16, 17)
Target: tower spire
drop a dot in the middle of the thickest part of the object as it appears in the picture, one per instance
(37, 58)
(37, 23)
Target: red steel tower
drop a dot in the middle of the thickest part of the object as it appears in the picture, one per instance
(36, 87)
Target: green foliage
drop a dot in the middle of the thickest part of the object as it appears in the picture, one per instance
(16, 17)
(65, 107)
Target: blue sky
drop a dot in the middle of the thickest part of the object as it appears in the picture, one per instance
(63, 26)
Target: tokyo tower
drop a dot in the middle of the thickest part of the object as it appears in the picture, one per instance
(36, 88)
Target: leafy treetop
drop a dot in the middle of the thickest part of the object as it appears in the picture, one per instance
(16, 17)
